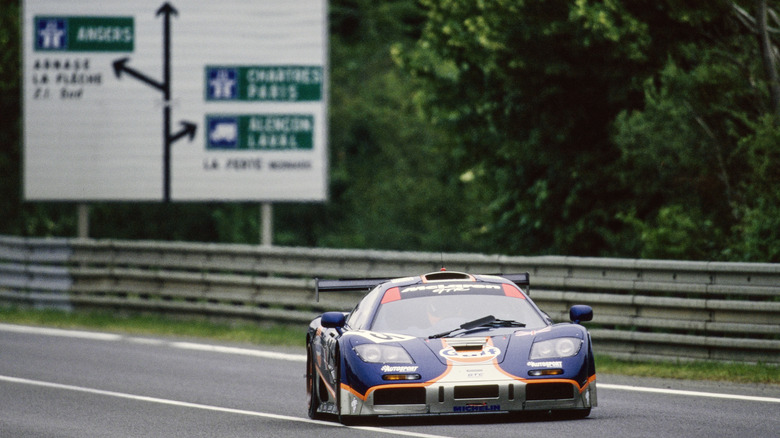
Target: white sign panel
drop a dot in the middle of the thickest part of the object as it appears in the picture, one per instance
(187, 100)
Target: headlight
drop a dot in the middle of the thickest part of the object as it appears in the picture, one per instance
(559, 347)
(378, 353)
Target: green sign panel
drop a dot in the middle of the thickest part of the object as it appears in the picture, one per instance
(284, 83)
(83, 34)
(267, 132)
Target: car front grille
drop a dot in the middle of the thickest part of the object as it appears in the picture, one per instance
(399, 396)
(481, 391)
(549, 391)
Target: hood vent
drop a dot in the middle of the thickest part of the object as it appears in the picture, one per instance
(467, 344)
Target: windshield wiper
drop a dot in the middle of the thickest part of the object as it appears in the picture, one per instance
(466, 326)
(486, 321)
(505, 323)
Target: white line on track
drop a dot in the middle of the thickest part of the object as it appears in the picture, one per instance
(60, 332)
(302, 358)
(241, 351)
(180, 345)
(688, 393)
(182, 404)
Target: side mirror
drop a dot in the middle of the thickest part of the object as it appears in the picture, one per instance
(580, 312)
(334, 320)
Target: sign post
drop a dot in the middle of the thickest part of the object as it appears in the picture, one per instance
(83, 221)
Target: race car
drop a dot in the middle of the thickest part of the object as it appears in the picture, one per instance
(447, 343)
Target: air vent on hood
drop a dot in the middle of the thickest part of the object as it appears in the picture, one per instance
(467, 344)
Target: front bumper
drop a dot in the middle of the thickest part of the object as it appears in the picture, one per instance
(469, 398)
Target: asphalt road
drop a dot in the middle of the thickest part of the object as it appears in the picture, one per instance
(56, 383)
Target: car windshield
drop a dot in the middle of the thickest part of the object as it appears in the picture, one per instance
(433, 314)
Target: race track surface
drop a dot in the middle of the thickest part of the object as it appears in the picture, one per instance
(66, 383)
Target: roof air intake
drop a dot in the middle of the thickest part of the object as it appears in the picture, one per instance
(447, 275)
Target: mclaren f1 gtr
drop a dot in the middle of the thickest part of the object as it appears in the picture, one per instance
(447, 343)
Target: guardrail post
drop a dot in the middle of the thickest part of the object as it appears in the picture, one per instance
(267, 220)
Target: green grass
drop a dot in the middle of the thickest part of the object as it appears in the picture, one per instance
(135, 324)
(287, 335)
(698, 370)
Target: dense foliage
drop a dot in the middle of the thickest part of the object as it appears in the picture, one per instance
(625, 128)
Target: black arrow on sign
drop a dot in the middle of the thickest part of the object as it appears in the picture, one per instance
(120, 67)
(188, 128)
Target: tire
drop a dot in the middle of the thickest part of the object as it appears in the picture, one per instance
(337, 386)
(347, 420)
(312, 385)
(572, 414)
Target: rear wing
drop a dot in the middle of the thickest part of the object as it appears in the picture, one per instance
(366, 284)
(522, 280)
(346, 285)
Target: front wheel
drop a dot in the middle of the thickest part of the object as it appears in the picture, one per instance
(312, 385)
(572, 414)
(347, 420)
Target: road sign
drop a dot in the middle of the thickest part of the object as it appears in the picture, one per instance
(83, 34)
(277, 132)
(187, 100)
(266, 83)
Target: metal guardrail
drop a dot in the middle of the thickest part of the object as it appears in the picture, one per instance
(644, 309)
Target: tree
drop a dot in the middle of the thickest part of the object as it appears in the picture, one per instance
(389, 185)
(530, 89)
(759, 26)
(700, 144)
(603, 127)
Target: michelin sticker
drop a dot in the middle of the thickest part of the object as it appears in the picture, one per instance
(476, 408)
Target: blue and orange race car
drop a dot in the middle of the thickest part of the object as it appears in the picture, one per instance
(447, 343)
